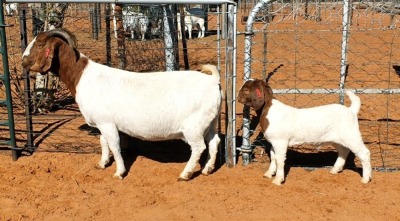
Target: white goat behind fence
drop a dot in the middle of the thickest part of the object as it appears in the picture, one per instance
(133, 22)
(11, 9)
(190, 22)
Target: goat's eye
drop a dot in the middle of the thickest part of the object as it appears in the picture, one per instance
(246, 91)
(39, 45)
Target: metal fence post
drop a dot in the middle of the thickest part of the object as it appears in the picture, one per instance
(27, 88)
(343, 60)
(246, 148)
(169, 43)
(231, 86)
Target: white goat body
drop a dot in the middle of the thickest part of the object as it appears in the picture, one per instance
(190, 22)
(168, 101)
(151, 106)
(284, 126)
(317, 125)
(11, 9)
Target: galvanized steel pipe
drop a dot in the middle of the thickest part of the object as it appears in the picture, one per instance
(246, 146)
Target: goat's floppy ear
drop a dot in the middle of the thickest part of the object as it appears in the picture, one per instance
(257, 95)
(45, 59)
(268, 93)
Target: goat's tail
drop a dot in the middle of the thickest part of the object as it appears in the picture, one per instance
(209, 68)
(355, 102)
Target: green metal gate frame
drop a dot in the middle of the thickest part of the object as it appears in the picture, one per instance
(5, 77)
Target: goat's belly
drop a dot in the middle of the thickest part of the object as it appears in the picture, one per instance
(152, 135)
(316, 141)
(150, 131)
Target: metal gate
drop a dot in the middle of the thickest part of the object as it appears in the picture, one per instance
(60, 127)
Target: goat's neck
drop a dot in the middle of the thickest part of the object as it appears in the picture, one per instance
(263, 112)
(70, 67)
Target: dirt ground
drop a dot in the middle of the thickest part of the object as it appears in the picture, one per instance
(49, 185)
(66, 186)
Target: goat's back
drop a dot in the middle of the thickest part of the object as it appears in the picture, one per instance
(311, 125)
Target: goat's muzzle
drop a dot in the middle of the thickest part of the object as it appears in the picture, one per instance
(30, 65)
(26, 64)
(244, 96)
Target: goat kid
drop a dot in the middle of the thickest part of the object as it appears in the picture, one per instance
(150, 106)
(284, 126)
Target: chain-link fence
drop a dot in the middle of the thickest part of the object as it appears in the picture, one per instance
(59, 126)
(312, 50)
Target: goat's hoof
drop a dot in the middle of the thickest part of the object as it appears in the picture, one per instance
(277, 182)
(99, 166)
(366, 180)
(183, 179)
(119, 176)
(335, 171)
(102, 164)
(207, 171)
(268, 175)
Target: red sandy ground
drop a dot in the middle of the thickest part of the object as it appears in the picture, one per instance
(66, 186)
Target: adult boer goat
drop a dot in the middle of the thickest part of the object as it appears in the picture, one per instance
(150, 106)
(285, 126)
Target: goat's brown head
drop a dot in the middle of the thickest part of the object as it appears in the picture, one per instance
(39, 54)
(255, 93)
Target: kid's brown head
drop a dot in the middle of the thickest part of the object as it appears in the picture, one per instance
(255, 93)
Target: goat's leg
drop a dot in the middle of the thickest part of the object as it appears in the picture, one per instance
(105, 153)
(280, 148)
(272, 166)
(179, 34)
(190, 28)
(201, 29)
(362, 152)
(341, 160)
(198, 146)
(213, 141)
(365, 158)
(110, 134)
(132, 34)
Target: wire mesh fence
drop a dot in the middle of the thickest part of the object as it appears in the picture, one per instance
(299, 46)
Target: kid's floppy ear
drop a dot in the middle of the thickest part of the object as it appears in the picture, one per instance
(257, 97)
(269, 95)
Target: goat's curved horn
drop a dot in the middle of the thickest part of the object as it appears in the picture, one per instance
(64, 35)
